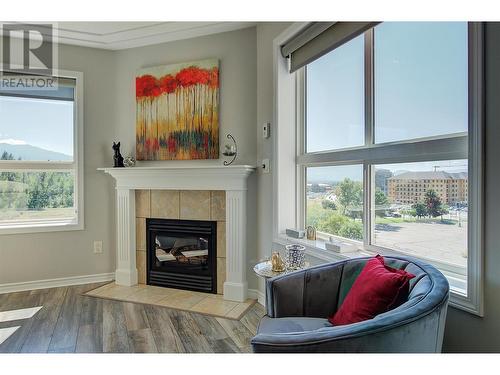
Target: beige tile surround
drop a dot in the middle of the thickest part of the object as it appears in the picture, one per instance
(204, 303)
(186, 205)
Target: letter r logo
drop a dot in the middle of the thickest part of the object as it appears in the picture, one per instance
(28, 49)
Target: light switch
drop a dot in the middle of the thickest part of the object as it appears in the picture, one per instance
(266, 130)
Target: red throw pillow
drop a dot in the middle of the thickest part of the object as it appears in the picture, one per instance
(378, 288)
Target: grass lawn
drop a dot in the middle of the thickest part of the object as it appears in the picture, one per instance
(410, 219)
(48, 213)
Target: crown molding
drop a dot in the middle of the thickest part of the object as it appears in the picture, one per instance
(124, 35)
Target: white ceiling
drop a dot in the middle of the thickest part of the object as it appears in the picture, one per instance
(122, 35)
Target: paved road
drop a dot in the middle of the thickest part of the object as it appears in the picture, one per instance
(446, 242)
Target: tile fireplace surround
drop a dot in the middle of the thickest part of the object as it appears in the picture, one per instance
(196, 193)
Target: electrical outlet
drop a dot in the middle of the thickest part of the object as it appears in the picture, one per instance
(265, 165)
(97, 247)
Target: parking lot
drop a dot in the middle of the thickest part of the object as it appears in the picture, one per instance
(434, 240)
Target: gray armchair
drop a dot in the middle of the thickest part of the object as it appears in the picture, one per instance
(299, 303)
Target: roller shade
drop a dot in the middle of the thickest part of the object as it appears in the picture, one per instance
(319, 38)
(65, 89)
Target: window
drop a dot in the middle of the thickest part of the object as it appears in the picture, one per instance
(431, 224)
(335, 99)
(420, 87)
(335, 200)
(388, 151)
(40, 158)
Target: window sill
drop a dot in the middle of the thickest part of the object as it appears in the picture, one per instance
(40, 227)
(317, 249)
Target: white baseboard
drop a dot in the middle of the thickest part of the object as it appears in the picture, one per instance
(258, 295)
(54, 283)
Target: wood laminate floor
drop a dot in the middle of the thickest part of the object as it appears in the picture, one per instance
(70, 322)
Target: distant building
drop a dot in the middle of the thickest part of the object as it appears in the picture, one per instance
(381, 177)
(410, 187)
(319, 188)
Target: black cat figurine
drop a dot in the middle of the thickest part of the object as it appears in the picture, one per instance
(118, 158)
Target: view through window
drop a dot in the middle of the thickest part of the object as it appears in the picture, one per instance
(421, 209)
(37, 167)
(335, 200)
(418, 202)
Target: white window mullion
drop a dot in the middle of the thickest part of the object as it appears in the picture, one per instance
(368, 194)
(301, 176)
(368, 204)
(369, 85)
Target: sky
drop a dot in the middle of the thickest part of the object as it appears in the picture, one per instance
(47, 124)
(420, 89)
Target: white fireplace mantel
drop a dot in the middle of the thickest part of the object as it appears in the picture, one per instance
(232, 179)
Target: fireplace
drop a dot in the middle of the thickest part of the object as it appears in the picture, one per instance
(182, 254)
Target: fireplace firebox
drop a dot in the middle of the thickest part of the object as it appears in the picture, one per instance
(182, 254)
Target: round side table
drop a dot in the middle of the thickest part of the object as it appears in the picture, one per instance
(264, 269)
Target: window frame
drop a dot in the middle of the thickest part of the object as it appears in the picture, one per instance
(448, 147)
(76, 166)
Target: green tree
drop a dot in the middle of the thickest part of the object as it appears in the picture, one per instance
(315, 188)
(381, 202)
(38, 195)
(349, 194)
(332, 223)
(433, 203)
(352, 229)
(380, 198)
(445, 210)
(342, 226)
(6, 156)
(420, 209)
(328, 204)
(7, 176)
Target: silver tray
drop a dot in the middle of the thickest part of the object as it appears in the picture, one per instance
(264, 269)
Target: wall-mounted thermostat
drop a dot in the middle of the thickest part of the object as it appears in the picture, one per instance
(266, 130)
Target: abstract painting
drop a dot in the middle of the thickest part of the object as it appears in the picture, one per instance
(177, 111)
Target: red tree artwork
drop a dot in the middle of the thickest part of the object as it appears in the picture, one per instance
(177, 115)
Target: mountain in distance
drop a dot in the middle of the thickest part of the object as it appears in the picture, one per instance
(32, 153)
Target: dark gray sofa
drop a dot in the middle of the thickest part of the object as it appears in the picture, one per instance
(299, 303)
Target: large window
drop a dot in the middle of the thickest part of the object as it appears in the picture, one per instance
(39, 159)
(389, 151)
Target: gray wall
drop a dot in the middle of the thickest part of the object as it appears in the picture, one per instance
(236, 52)
(466, 332)
(266, 32)
(29, 257)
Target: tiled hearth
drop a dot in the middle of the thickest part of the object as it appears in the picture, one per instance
(184, 205)
(203, 303)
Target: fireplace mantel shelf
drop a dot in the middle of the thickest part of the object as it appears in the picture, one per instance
(210, 177)
(232, 179)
